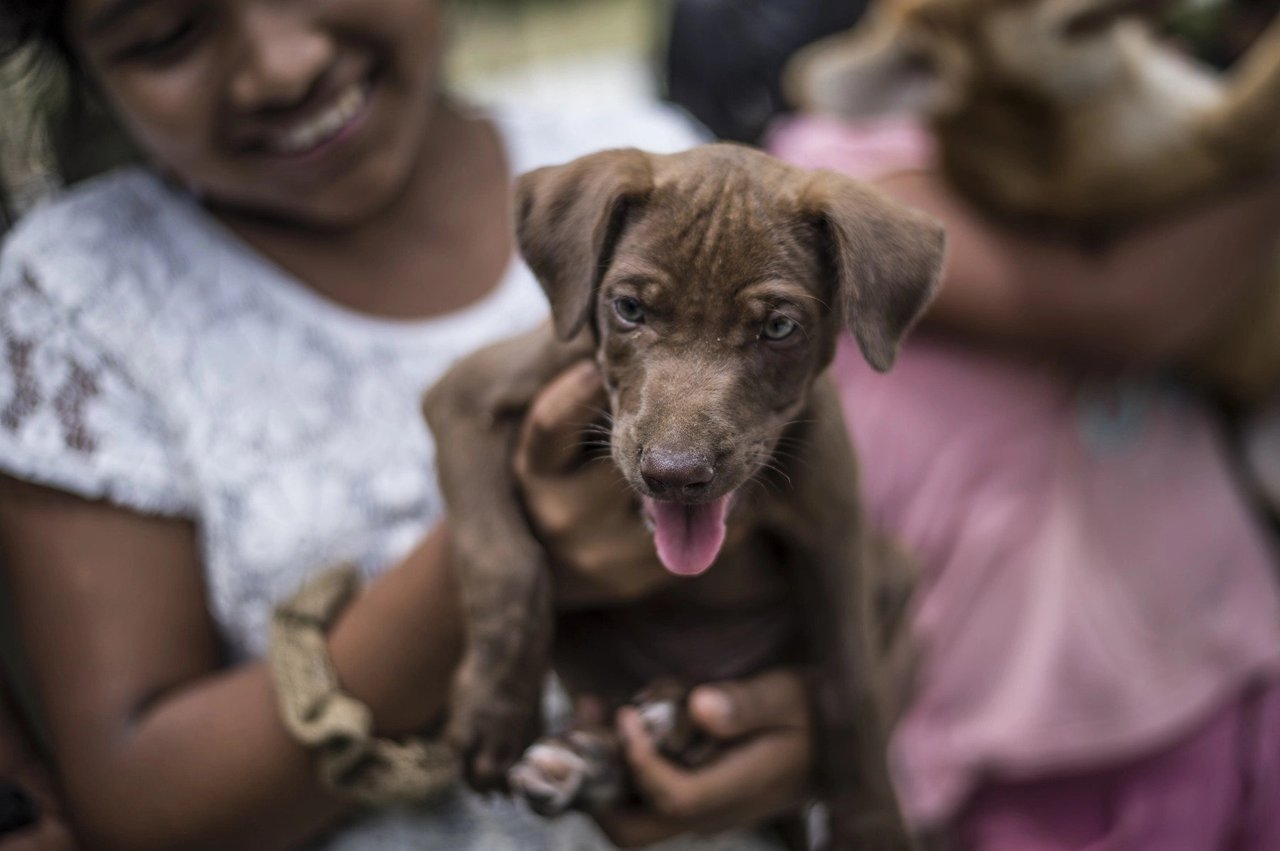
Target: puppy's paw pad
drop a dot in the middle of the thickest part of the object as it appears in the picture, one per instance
(490, 743)
(550, 777)
(661, 717)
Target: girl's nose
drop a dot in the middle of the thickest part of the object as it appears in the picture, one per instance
(282, 55)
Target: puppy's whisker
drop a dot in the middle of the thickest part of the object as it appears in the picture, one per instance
(786, 453)
(767, 483)
(771, 467)
(599, 456)
(791, 423)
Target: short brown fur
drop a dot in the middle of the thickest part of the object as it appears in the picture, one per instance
(710, 242)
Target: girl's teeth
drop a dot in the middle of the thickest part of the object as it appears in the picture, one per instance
(322, 127)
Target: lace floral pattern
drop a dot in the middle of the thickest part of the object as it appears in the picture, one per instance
(71, 415)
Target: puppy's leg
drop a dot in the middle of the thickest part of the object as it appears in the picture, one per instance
(474, 415)
(836, 588)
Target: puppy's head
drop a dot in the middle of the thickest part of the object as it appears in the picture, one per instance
(716, 282)
(934, 56)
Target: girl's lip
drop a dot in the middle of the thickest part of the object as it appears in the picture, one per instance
(322, 131)
(324, 126)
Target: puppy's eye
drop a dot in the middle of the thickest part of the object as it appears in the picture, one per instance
(779, 326)
(628, 310)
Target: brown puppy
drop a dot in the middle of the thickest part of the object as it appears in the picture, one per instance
(710, 288)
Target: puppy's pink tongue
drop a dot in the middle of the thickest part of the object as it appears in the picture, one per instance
(688, 537)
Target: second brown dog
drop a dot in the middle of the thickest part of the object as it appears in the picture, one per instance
(1071, 115)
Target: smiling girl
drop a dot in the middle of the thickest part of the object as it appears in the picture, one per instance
(209, 392)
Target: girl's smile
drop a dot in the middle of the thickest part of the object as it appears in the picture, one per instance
(314, 112)
(317, 130)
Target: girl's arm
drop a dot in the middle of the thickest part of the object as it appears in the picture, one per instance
(1154, 296)
(159, 745)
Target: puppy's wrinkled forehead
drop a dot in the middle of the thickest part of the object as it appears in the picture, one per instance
(724, 214)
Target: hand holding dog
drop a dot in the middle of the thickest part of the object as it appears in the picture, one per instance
(585, 516)
(763, 776)
(583, 510)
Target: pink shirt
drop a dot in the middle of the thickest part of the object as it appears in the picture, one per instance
(1093, 586)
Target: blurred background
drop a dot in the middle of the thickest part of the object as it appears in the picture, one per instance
(719, 59)
(722, 65)
(556, 50)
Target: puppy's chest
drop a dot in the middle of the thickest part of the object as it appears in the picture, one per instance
(738, 618)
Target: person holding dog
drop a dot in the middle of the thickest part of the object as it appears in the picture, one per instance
(209, 393)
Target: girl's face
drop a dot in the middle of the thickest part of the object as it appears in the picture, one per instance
(314, 111)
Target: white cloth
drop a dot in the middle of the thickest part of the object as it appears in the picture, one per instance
(152, 359)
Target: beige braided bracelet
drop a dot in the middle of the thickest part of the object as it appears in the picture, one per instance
(335, 727)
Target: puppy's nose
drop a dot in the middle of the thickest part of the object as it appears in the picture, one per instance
(675, 474)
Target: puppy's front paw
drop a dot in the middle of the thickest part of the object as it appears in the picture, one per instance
(489, 742)
(490, 730)
(580, 770)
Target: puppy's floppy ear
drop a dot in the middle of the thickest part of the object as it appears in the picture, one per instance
(887, 260)
(568, 219)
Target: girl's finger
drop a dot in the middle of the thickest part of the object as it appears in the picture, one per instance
(661, 782)
(551, 438)
(769, 772)
(774, 699)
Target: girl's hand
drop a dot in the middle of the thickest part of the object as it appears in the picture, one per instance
(585, 514)
(764, 774)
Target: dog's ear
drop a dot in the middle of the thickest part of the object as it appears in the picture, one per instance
(863, 75)
(887, 260)
(568, 219)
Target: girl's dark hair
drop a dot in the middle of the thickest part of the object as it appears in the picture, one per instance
(34, 23)
(84, 135)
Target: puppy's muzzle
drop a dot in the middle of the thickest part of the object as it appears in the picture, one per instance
(676, 474)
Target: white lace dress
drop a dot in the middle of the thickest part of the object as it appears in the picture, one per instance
(151, 359)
